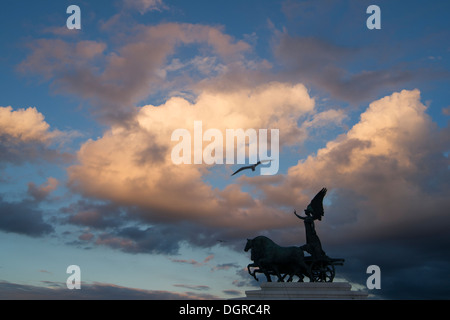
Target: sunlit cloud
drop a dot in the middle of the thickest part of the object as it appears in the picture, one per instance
(25, 136)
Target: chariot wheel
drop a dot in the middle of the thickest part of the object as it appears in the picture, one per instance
(322, 271)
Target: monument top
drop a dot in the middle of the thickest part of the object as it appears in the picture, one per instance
(272, 259)
(305, 291)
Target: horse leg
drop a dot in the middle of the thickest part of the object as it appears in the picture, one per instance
(263, 268)
(280, 278)
(277, 273)
(308, 272)
(267, 274)
(254, 271)
(248, 268)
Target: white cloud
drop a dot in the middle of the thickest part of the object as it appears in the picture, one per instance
(387, 171)
(132, 165)
(25, 136)
(377, 172)
(144, 6)
(25, 125)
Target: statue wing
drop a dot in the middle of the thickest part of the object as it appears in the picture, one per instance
(317, 204)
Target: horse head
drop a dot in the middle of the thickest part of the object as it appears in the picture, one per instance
(248, 246)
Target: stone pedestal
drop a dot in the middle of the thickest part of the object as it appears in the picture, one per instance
(305, 291)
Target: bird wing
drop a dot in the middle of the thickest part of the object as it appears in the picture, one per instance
(253, 166)
(317, 204)
(240, 169)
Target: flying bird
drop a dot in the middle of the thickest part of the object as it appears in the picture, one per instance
(253, 166)
(315, 207)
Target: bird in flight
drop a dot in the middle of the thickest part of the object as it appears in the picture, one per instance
(253, 166)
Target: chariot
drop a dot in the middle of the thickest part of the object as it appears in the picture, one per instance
(274, 260)
(322, 269)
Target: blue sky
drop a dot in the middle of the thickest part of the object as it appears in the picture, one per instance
(86, 118)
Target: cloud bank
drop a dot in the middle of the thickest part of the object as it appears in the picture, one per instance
(91, 291)
(133, 165)
(384, 173)
(387, 174)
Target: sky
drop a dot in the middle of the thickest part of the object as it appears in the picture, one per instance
(88, 177)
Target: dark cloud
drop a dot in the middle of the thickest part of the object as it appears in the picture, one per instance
(193, 287)
(115, 80)
(90, 291)
(365, 65)
(120, 227)
(323, 64)
(40, 193)
(152, 153)
(124, 228)
(231, 292)
(152, 239)
(225, 266)
(21, 152)
(167, 238)
(159, 239)
(92, 219)
(97, 215)
(412, 266)
(23, 218)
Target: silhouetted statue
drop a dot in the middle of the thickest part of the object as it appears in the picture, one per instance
(271, 259)
(314, 211)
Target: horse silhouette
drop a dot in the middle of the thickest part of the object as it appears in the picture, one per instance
(270, 258)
